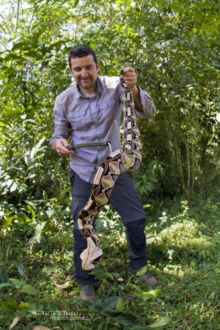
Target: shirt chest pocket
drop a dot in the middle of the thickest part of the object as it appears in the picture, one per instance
(78, 118)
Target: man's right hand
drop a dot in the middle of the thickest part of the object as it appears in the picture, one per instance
(60, 146)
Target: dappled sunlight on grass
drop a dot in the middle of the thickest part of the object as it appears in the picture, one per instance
(185, 236)
(182, 254)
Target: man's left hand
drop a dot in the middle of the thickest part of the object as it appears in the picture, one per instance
(130, 77)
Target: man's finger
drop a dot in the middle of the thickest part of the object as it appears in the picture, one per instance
(61, 150)
(128, 69)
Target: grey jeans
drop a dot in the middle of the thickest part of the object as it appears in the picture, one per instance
(127, 202)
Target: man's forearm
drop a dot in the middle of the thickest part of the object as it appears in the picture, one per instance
(137, 98)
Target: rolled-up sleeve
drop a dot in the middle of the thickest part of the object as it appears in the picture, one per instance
(62, 126)
(148, 105)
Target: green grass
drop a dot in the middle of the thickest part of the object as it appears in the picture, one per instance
(183, 253)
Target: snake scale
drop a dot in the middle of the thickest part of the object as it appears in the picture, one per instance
(118, 161)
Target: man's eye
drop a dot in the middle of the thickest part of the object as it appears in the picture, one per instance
(77, 69)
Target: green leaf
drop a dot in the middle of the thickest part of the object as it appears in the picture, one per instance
(24, 305)
(29, 289)
(37, 234)
(142, 270)
(36, 149)
(120, 305)
(76, 3)
(8, 305)
(17, 283)
(151, 294)
(5, 285)
(160, 323)
(109, 304)
(146, 206)
(112, 304)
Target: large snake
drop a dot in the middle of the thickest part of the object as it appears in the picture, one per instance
(118, 161)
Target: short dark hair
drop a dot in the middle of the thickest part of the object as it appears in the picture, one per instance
(80, 51)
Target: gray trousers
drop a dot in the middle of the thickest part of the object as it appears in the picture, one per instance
(127, 202)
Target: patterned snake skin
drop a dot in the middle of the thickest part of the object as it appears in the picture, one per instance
(118, 161)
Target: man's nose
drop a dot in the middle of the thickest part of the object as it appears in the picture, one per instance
(84, 73)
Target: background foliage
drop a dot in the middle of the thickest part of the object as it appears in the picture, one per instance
(174, 46)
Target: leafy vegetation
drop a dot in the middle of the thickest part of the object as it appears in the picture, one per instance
(174, 47)
(37, 286)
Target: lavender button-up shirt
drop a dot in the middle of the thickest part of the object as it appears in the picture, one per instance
(93, 119)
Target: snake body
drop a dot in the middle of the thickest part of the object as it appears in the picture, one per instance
(118, 161)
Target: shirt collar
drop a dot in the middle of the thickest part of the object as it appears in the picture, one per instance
(99, 89)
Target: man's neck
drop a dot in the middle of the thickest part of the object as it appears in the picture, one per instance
(88, 91)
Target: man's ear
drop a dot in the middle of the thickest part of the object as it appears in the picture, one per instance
(98, 65)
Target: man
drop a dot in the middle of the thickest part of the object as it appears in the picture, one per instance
(90, 111)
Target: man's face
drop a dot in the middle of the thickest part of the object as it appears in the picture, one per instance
(84, 70)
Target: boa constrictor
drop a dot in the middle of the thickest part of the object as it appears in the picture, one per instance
(118, 161)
